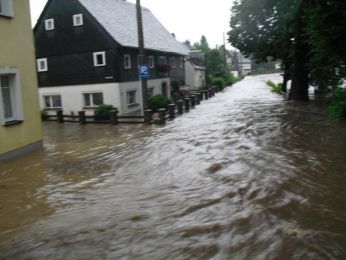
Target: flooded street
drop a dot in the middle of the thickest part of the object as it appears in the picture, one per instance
(245, 175)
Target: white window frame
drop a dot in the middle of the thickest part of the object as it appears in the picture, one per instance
(6, 8)
(50, 96)
(16, 96)
(151, 62)
(78, 20)
(135, 103)
(173, 62)
(92, 104)
(42, 64)
(49, 24)
(95, 55)
(127, 65)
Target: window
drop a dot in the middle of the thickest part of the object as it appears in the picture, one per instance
(131, 98)
(151, 61)
(127, 61)
(42, 65)
(150, 91)
(11, 108)
(173, 62)
(77, 19)
(93, 99)
(99, 59)
(49, 24)
(162, 60)
(181, 62)
(52, 101)
(6, 8)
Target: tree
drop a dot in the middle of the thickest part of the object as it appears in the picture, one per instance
(307, 35)
(212, 59)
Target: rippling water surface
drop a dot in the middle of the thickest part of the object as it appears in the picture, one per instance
(245, 175)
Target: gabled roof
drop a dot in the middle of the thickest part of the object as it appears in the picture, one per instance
(118, 18)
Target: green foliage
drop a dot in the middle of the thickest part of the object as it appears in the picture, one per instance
(44, 114)
(213, 60)
(158, 101)
(230, 79)
(220, 82)
(103, 111)
(337, 107)
(276, 88)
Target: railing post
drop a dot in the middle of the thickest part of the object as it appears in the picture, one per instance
(114, 117)
(200, 96)
(180, 107)
(147, 116)
(162, 114)
(212, 91)
(209, 93)
(81, 117)
(60, 116)
(198, 101)
(206, 94)
(171, 111)
(193, 101)
(187, 104)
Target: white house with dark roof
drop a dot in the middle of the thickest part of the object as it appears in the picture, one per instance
(87, 55)
(195, 70)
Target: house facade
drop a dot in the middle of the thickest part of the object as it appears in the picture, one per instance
(195, 70)
(20, 122)
(87, 55)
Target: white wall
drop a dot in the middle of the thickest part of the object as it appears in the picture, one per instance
(113, 94)
(194, 77)
(72, 96)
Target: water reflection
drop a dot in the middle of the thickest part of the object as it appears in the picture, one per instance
(245, 175)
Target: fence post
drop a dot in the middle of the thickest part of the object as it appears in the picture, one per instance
(198, 101)
(60, 116)
(147, 116)
(206, 94)
(200, 96)
(114, 117)
(81, 117)
(187, 104)
(193, 101)
(209, 93)
(180, 107)
(212, 90)
(171, 111)
(162, 114)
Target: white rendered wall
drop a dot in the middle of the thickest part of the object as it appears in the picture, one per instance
(72, 96)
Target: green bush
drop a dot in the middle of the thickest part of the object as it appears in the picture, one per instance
(158, 101)
(276, 88)
(220, 82)
(103, 111)
(230, 79)
(337, 108)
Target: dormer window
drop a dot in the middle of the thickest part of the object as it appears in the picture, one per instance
(42, 65)
(127, 61)
(99, 59)
(6, 8)
(49, 24)
(77, 19)
(151, 61)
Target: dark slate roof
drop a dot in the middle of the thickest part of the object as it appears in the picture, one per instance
(118, 17)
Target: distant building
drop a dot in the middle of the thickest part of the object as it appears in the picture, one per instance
(195, 70)
(20, 122)
(87, 55)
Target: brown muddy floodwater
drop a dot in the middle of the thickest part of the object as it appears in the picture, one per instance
(245, 175)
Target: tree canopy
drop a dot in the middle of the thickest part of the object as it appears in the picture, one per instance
(307, 35)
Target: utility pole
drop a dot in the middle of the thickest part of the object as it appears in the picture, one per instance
(142, 58)
(224, 52)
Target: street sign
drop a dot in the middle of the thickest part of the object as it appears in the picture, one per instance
(144, 72)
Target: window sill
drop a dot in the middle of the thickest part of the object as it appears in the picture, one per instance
(53, 108)
(133, 105)
(6, 16)
(13, 122)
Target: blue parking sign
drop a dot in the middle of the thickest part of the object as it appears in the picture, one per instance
(144, 72)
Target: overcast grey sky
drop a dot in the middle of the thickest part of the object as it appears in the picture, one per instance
(188, 19)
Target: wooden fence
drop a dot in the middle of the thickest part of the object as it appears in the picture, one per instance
(191, 100)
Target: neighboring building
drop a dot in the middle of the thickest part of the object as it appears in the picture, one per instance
(195, 71)
(245, 65)
(20, 122)
(87, 55)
